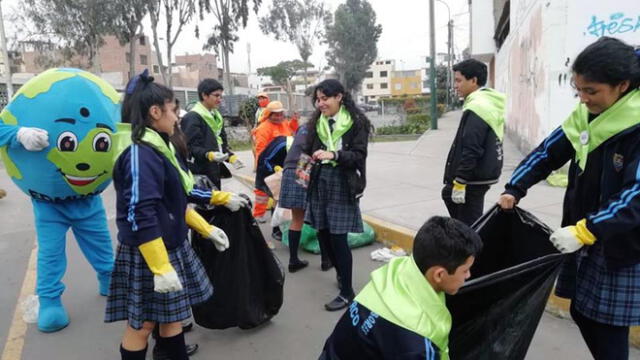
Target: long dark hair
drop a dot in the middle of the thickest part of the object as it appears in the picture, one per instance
(331, 88)
(179, 139)
(609, 61)
(141, 94)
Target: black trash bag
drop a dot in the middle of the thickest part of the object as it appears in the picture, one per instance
(496, 313)
(247, 278)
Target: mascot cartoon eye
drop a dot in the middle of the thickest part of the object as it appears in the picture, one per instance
(102, 142)
(67, 141)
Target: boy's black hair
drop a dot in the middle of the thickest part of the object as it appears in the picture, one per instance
(609, 61)
(141, 94)
(472, 68)
(446, 242)
(207, 86)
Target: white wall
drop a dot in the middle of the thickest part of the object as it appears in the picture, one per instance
(533, 66)
(483, 28)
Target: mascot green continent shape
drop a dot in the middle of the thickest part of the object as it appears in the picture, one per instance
(56, 139)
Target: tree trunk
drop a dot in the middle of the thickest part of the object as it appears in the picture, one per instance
(290, 97)
(156, 45)
(227, 72)
(132, 57)
(169, 66)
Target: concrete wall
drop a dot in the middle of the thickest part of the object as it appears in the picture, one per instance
(483, 26)
(533, 66)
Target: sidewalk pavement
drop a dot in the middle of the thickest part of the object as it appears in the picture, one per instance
(404, 179)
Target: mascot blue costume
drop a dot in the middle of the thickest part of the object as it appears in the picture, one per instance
(69, 115)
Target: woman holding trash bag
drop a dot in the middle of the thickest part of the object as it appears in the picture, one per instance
(337, 141)
(601, 211)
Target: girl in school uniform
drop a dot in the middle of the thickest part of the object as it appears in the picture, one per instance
(157, 277)
(337, 141)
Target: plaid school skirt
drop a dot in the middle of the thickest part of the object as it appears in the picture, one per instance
(131, 295)
(292, 194)
(599, 292)
(330, 205)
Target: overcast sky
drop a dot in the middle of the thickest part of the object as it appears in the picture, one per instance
(405, 34)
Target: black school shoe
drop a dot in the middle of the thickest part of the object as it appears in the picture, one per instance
(326, 265)
(299, 265)
(339, 303)
(160, 354)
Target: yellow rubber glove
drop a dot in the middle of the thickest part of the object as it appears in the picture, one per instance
(571, 238)
(277, 168)
(232, 201)
(217, 156)
(237, 164)
(165, 278)
(458, 193)
(206, 230)
(271, 203)
(220, 197)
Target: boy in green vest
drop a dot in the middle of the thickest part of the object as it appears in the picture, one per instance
(475, 159)
(402, 310)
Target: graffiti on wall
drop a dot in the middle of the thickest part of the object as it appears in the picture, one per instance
(527, 80)
(617, 23)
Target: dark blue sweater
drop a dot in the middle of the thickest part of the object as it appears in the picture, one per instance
(150, 200)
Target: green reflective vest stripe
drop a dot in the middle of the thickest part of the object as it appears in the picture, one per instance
(488, 104)
(586, 136)
(330, 139)
(123, 140)
(400, 294)
(213, 119)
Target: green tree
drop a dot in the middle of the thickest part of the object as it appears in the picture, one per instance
(127, 26)
(79, 25)
(296, 21)
(229, 14)
(177, 13)
(282, 74)
(352, 36)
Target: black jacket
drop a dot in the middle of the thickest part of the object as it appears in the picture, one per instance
(475, 157)
(363, 334)
(352, 158)
(201, 140)
(606, 193)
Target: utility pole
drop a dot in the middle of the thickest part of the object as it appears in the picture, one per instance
(450, 68)
(432, 72)
(5, 55)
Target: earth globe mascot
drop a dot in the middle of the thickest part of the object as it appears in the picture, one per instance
(56, 139)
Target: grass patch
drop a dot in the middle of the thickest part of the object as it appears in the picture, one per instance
(239, 145)
(396, 137)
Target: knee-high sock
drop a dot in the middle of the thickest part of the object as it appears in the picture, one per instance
(174, 346)
(294, 242)
(343, 262)
(326, 250)
(133, 355)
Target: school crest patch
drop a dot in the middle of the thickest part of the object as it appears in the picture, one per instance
(618, 162)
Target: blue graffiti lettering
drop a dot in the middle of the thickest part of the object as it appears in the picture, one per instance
(617, 23)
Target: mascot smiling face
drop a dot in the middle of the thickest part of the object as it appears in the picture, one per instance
(79, 111)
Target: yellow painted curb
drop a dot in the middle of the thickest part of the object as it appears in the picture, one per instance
(18, 330)
(391, 234)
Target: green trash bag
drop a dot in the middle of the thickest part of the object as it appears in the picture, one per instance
(309, 237)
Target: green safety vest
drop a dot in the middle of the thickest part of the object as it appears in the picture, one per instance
(330, 139)
(586, 136)
(123, 140)
(488, 104)
(401, 294)
(213, 119)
